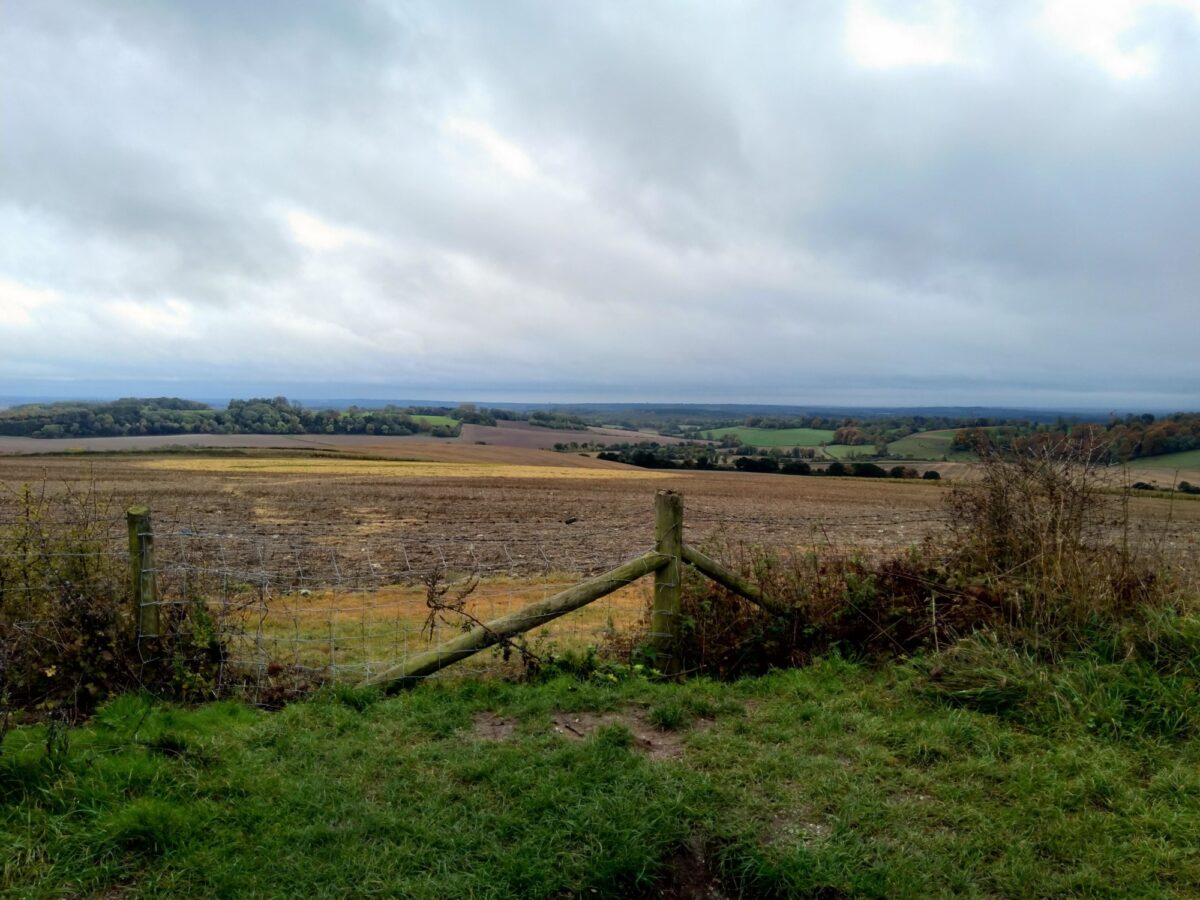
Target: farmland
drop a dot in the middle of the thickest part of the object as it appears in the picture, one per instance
(431, 488)
(932, 445)
(361, 524)
(848, 451)
(432, 420)
(773, 437)
(1186, 462)
(834, 778)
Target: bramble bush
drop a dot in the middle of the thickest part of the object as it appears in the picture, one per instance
(67, 632)
(1035, 553)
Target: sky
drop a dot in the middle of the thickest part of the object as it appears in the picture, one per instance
(933, 203)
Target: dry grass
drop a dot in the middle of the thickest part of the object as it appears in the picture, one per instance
(364, 631)
(320, 467)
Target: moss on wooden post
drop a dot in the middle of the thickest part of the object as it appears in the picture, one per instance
(666, 620)
(141, 572)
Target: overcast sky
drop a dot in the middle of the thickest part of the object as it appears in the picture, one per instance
(799, 202)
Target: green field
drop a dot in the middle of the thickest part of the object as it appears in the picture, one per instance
(1188, 459)
(846, 451)
(435, 420)
(773, 437)
(835, 780)
(929, 445)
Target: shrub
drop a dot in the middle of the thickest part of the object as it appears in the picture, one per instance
(848, 605)
(63, 602)
(67, 636)
(1033, 553)
(1037, 530)
(867, 470)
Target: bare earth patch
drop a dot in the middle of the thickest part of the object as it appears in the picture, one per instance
(688, 876)
(647, 739)
(488, 726)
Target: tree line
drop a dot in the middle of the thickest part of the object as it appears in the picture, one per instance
(1116, 441)
(171, 415)
(652, 455)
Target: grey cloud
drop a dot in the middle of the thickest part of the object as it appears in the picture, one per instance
(1019, 224)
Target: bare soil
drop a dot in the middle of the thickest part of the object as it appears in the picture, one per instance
(516, 435)
(652, 742)
(522, 434)
(567, 522)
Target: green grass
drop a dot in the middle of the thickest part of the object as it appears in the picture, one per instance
(435, 420)
(1188, 459)
(929, 445)
(846, 451)
(773, 437)
(829, 781)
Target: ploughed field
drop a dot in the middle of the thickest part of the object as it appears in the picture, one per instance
(330, 560)
(580, 512)
(459, 493)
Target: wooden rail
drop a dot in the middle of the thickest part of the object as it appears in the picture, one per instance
(532, 616)
(664, 562)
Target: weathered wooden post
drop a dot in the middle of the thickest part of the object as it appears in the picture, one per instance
(142, 573)
(666, 619)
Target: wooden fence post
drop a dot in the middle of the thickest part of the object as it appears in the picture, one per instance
(666, 620)
(141, 572)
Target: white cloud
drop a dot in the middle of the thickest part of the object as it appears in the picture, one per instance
(314, 233)
(501, 151)
(170, 318)
(613, 194)
(876, 41)
(1100, 31)
(18, 302)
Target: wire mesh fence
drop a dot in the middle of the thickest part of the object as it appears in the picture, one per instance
(304, 599)
(300, 598)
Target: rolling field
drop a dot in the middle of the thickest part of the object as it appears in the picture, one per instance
(929, 445)
(773, 437)
(833, 779)
(455, 491)
(434, 420)
(505, 434)
(321, 467)
(847, 451)
(1187, 464)
(321, 559)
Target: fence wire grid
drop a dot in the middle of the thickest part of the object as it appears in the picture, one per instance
(350, 601)
(306, 600)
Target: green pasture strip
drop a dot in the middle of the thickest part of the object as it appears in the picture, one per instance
(834, 780)
(1188, 459)
(435, 420)
(929, 445)
(773, 437)
(846, 451)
